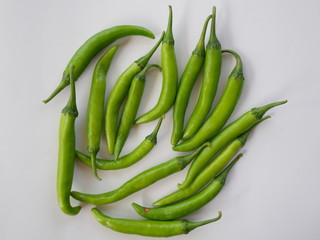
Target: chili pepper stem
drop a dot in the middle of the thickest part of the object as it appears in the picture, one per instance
(71, 106)
(94, 167)
(260, 111)
(204, 30)
(213, 40)
(65, 81)
(168, 37)
(142, 62)
(238, 67)
(153, 136)
(192, 225)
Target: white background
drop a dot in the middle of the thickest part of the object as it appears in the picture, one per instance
(272, 193)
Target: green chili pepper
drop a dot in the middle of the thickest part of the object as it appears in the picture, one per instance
(96, 105)
(91, 47)
(118, 94)
(210, 171)
(170, 77)
(149, 227)
(137, 154)
(188, 205)
(211, 74)
(226, 135)
(224, 108)
(67, 145)
(187, 81)
(140, 181)
(131, 108)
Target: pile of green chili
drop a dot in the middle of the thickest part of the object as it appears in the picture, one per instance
(213, 144)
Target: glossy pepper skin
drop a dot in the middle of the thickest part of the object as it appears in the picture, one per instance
(140, 181)
(136, 155)
(169, 75)
(186, 84)
(211, 75)
(149, 228)
(95, 112)
(233, 130)
(189, 205)
(66, 155)
(118, 94)
(221, 113)
(83, 56)
(131, 108)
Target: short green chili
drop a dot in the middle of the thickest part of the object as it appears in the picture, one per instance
(188, 205)
(96, 105)
(210, 171)
(226, 135)
(211, 75)
(119, 92)
(136, 155)
(169, 75)
(131, 108)
(149, 228)
(142, 180)
(90, 49)
(67, 146)
(224, 108)
(187, 82)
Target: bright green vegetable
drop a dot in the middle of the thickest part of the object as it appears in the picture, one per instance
(210, 171)
(136, 155)
(188, 205)
(96, 105)
(142, 180)
(229, 133)
(90, 49)
(131, 108)
(169, 75)
(67, 145)
(211, 75)
(119, 92)
(224, 108)
(148, 227)
(187, 82)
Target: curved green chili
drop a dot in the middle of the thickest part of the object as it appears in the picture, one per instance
(148, 227)
(118, 94)
(169, 75)
(137, 154)
(187, 81)
(211, 74)
(188, 205)
(131, 108)
(90, 49)
(96, 105)
(67, 145)
(226, 135)
(210, 171)
(142, 180)
(224, 108)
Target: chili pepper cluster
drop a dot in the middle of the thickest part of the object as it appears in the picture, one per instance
(214, 144)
